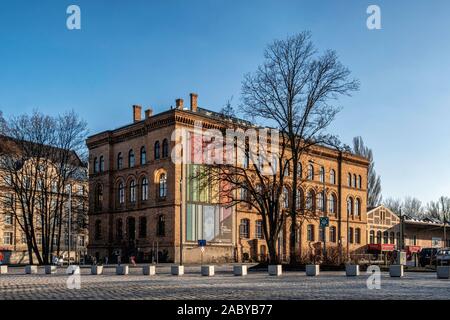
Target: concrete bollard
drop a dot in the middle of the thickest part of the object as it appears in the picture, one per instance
(177, 270)
(351, 270)
(396, 270)
(96, 270)
(207, 271)
(73, 269)
(122, 270)
(31, 269)
(275, 270)
(240, 270)
(312, 270)
(3, 269)
(50, 269)
(443, 272)
(149, 270)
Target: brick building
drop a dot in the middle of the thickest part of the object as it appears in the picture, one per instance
(142, 205)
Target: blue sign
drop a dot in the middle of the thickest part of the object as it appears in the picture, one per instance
(202, 243)
(324, 222)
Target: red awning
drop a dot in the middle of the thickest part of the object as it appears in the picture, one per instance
(381, 247)
(413, 249)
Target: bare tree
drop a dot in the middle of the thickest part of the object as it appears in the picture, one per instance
(296, 90)
(439, 210)
(2, 123)
(374, 197)
(393, 204)
(38, 162)
(412, 207)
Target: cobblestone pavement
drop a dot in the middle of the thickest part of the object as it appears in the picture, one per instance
(222, 286)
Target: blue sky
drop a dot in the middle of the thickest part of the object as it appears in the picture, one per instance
(152, 52)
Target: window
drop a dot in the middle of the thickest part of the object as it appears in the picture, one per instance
(258, 229)
(321, 202)
(119, 161)
(144, 191)
(95, 165)
(102, 164)
(310, 200)
(321, 234)
(119, 229)
(385, 237)
(143, 156)
(132, 191)
(357, 207)
(287, 171)
(161, 226)
(392, 238)
(98, 230)
(358, 235)
(162, 185)
(359, 182)
(310, 232)
(378, 236)
(131, 159)
(285, 198)
(349, 179)
(157, 150)
(142, 227)
(299, 202)
(8, 218)
(332, 204)
(243, 193)
(322, 174)
(131, 228)
(332, 176)
(244, 228)
(81, 241)
(121, 193)
(350, 235)
(165, 148)
(372, 237)
(333, 234)
(310, 172)
(8, 238)
(99, 197)
(299, 171)
(349, 206)
(354, 180)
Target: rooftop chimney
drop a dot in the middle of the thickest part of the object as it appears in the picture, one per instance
(179, 103)
(148, 113)
(194, 98)
(137, 113)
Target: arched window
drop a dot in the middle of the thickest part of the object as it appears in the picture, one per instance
(310, 199)
(332, 176)
(121, 193)
(119, 229)
(385, 237)
(102, 164)
(349, 206)
(157, 150)
(378, 236)
(98, 230)
(131, 160)
(243, 193)
(144, 191)
(161, 226)
(359, 182)
(310, 172)
(310, 232)
(357, 207)
(358, 235)
(99, 197)
(119, 161)
(349, 179)
(299, 200)
(333, 234)
(285, 198)
(244, 228)
(165, 148)
(300, 170)
(322, 174)
(354, 180)
(143, 156)
(372, 237)
(321, 202)
(133, 191)
(332, 204)
(142, 227)
(162, 185)
(259, 229)
(350, 235)
(95, 165)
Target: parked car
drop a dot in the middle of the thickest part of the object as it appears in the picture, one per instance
(427, 256)
(443, 257)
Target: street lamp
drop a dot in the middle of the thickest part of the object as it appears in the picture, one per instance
(324, 196)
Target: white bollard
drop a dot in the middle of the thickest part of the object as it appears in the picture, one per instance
(50, 269)
(351, 270)
(96, 270)
(275, 270)
(240, 270)
(396, 270)
(312, 270)
(122, 270)
(3, 269)
(177, 270)
(149, 270)
(73, 269)
(443, 272)
(31, 269)
(207, 271)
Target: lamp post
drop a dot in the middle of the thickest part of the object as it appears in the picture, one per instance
(70, 223)
(324, 196)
